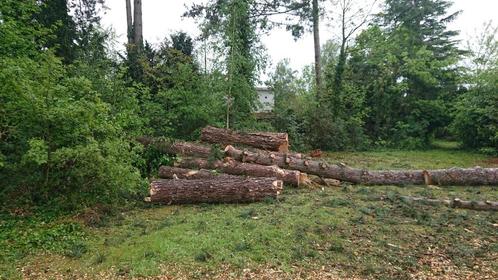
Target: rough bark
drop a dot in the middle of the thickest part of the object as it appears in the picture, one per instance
(452, 176)
(179, 147)
(137, 24)
(261, 140)
(170, 172)
(316, 43)
(129, 22)
(217, 190)
(229, 166)
(455, 203)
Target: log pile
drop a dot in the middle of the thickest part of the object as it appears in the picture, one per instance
(226, 173)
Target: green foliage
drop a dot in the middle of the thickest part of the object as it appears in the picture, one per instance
(292, 102)
(476, 111)
(64, 135)
(62, 131)
(54, 15)
(233, 23)
(19, 34)
(23, 236)
(407, 71)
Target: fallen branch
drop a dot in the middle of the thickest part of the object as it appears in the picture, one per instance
(452, 176)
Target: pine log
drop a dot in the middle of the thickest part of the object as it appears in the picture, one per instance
(230, 166)
(455, 203)
(452, 176)
(179, 147)
(262, 140)
(170, 172)
(217, 190)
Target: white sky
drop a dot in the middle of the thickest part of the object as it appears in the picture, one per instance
(163, 17)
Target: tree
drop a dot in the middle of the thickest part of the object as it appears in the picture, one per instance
(233, 23)
(65, 134)
(351, 18)
(316, 42)
(129, 22)
(55, 16)
(476, 112)
(138, 39)
(135, 44)
(408, 69)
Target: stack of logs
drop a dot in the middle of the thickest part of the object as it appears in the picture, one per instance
(227, 173)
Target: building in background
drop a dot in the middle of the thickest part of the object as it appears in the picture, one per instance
(266, 100)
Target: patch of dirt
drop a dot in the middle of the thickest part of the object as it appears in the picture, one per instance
(43, 268)
(440, 266)
(432, 265)
(93, 217)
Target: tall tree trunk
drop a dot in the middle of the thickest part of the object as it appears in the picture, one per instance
(137, 24)
(316, 40)
(129, 22)
(339, 69)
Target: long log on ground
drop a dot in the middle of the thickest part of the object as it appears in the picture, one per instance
(452, 176)
(170, 172)
(230, 166)
(261, 140)
(217, 190)
(455, 203)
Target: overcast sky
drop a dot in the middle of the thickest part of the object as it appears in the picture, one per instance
(163, 17)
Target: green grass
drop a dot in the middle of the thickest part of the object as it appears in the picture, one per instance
(349, 230)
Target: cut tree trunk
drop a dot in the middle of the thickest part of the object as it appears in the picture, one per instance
(230, 166)
(169, 172)
(262, 140)
(179, 147)
(217, 190)
(452, 176)
(455, 203)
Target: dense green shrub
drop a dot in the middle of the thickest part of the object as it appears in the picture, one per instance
(60, 140)
(476, 117)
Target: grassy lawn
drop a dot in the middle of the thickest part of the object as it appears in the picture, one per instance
(330, 233)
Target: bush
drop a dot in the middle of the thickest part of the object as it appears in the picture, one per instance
(61, 140)
(476, 118)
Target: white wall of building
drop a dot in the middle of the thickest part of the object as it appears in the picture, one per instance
(266, 100)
